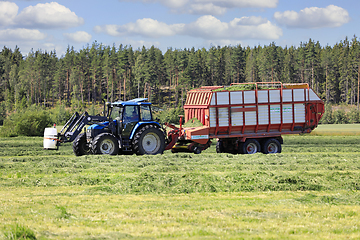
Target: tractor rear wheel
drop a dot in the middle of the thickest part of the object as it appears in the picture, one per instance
(271, 146)
(149, 140)
(80, 146)
(105, 143)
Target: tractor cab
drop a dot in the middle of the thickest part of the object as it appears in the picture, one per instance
(129, 114)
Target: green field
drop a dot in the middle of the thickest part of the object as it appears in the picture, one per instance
(309, 191)
(337, 130)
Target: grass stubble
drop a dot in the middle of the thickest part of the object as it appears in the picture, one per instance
(310, 191)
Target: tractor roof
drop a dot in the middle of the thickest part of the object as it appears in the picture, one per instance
(133, 102)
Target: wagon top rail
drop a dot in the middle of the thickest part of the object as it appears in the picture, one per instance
(251, 86)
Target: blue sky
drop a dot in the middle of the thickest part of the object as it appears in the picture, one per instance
(178, 24)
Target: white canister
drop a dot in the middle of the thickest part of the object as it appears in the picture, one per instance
(50, 138)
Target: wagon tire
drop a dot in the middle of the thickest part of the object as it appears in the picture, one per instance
(271, 145)
(250, 146)
(80, 146)
(149, 140)
(220, 147)
(105, 143)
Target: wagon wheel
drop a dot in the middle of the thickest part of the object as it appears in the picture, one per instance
(271, 146)
(220, 147)
(250, 146)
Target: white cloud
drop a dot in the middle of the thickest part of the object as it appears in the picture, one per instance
(8, 12)
(208, 8)
(331, 16)
(207, 27)
(48, 15)
(22, 29)
(213, 7)
(78, 37)
(243, 3)
(222, 43)
(21, 34)
(248, 21)
(110, 29)
(145, 27)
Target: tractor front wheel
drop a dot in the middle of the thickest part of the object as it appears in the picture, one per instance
(149, 140)
(105, 143)
(80, 146)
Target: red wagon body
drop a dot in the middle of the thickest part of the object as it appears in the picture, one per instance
(259, 116)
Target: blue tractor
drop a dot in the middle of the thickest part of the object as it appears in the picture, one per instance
(127, 127)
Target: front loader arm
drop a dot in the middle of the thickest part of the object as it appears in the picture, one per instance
(75, 125)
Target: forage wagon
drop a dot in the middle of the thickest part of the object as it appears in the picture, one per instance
(251, 117)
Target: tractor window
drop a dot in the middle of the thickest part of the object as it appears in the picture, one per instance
(131, 114)
(145, 113)
(116, 113)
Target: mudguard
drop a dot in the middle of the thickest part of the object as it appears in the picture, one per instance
(139, 124)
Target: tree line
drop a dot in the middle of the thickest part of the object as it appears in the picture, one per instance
(98, 72)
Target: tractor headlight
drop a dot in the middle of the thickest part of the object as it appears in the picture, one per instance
(88, 133)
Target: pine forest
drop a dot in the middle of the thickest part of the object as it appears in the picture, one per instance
(99, 73)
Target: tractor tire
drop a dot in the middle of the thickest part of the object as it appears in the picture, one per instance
(220, 147)
(271, 145)
(105, 143)
(197, 150)
(149, 140)
(80, 146)
(250, 146)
